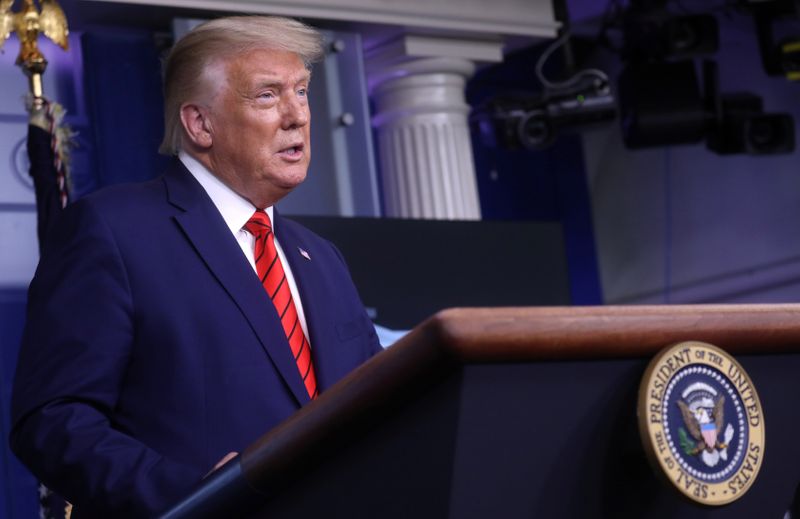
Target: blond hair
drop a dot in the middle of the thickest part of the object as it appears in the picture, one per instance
(216, 40)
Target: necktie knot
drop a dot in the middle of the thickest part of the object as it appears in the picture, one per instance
(258, 225)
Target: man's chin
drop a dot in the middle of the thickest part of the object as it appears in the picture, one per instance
(290, 182)
(278, 187)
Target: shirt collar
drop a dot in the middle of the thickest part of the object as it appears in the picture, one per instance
(235, 209)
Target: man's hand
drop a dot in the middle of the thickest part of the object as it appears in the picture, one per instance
(222, 462)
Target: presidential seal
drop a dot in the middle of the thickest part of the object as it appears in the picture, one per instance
(701, 422)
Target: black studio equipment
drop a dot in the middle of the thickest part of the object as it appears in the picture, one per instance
(737, 122)
(532, 121)
(660, 104)
(777, 25)
(654, 33)
(667, 97)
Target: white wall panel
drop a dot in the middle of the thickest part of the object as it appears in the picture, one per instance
(16, 186)
(19, 251)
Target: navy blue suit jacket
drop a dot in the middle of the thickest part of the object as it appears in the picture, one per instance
(151, 349)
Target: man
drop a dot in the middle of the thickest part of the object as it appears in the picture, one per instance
(152, 346)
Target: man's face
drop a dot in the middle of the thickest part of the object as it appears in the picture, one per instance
(260, 125)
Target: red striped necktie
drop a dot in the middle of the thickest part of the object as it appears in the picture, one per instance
(273, 278)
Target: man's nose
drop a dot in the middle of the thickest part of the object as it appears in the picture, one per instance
(295, 113)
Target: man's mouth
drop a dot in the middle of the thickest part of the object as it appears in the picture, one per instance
(292, 152)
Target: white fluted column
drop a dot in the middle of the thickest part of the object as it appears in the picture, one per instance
(424, 146)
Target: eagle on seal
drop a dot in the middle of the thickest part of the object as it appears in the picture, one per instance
(704, 426)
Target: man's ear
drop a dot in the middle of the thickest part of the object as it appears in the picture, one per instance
(197, 125)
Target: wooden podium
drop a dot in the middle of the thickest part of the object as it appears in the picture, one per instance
(512, 413)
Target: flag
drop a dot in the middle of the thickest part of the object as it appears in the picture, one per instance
(49, 142)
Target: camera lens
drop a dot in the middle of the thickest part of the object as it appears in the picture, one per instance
(534, 131)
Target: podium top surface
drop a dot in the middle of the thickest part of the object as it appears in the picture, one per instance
(560, 333)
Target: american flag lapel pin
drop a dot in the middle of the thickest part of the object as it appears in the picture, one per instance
(304, 253)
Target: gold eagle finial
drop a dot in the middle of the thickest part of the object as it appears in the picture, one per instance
(28, 23)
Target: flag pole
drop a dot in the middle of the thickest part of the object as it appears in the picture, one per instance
(48, 142)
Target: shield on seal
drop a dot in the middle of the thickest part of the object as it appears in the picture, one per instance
(709, 432)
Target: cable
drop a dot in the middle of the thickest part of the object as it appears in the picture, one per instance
(572, 81)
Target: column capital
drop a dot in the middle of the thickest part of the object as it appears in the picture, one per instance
(414, 54)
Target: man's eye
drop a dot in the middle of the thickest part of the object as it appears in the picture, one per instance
(266, 95)
(303, 92)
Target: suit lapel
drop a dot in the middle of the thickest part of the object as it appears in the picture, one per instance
(205, 228)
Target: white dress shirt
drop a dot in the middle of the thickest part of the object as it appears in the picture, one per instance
(236, 211)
